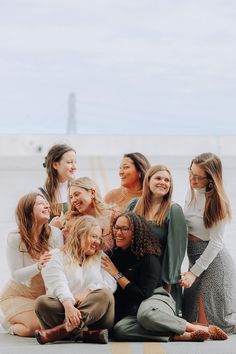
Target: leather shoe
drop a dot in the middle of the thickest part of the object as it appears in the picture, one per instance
(95, 336)
(51, 335)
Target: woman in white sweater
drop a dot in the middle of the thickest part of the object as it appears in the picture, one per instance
(210, 283)
(79, 292)
(27, 253)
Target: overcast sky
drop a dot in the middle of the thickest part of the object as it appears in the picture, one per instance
(150, 66)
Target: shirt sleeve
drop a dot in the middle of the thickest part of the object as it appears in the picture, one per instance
(149, 279)
(57, 237)
(176, 245)
(55, 279)
(214, 246)
(15, 259)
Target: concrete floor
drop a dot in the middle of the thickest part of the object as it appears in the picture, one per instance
(18, 345)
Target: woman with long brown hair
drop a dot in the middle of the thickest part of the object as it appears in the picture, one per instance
(61, 166)
(210, 283)
(27, 253)
(168, 224)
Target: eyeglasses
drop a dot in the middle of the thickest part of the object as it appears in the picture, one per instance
(123, 229)
(197, 178)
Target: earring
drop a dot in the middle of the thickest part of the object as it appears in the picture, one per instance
(210, 185)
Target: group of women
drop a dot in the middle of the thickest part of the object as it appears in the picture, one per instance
(82, 265)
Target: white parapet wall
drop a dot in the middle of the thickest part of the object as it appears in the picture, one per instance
(110, 145)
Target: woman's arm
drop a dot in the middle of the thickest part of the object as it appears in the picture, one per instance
(17, 260)
(176, 245)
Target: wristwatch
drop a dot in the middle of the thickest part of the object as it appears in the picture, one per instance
(118, 275)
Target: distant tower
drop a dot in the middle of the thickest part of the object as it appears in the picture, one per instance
(71, 121)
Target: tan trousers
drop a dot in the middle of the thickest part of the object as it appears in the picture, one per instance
(97, 310)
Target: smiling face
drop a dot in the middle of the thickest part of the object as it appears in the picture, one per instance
(160, 183)
(122, 232)
(128, 173)
(66, 167)
(81, 200)
(197, 177)
(41, 210)
(94, 240)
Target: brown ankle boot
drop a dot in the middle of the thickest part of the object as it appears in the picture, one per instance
(95, 336)
(51, 335)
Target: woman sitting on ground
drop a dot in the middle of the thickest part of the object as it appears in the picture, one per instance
(144, 310)
(79, 293)
(27, 253)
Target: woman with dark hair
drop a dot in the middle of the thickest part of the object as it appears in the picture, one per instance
(144, 311)
(133, 167)
(61, 166)
(210, 283)
(27, 253)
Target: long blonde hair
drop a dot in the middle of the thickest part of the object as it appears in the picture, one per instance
(144, 203)
(77, 242)
(100, 208)
(217, 205)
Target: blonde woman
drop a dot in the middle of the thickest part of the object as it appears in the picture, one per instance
(27, 253)
(85, 199)
(167, 221)
(210, 283)
(79, 291)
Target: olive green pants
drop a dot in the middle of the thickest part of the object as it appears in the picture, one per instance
(156, 320)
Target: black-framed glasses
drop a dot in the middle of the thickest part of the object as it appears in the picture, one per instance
(123, 229)
(196, 177)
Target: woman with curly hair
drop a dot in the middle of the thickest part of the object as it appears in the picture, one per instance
(61, 166)
(85, 199)
(27, 253)
(144, 311)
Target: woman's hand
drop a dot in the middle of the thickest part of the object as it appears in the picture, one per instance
(109, 266)
(72, 315)
(44, 258)
(187, 279)
(58, 221)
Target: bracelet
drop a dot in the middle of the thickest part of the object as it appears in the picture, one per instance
(118, 275)
(39, 269)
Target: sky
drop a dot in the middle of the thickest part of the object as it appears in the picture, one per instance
(134, 66)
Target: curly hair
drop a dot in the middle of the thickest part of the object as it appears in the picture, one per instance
(143, 241)
(26, 224)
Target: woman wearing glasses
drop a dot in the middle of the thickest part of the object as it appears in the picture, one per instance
(168, 224)
(144, 311)
(210, 283)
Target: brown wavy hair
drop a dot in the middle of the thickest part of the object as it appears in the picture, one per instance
(26, 224)
(55, 154)
(143, 241)
(144, 203)
(217, 205)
